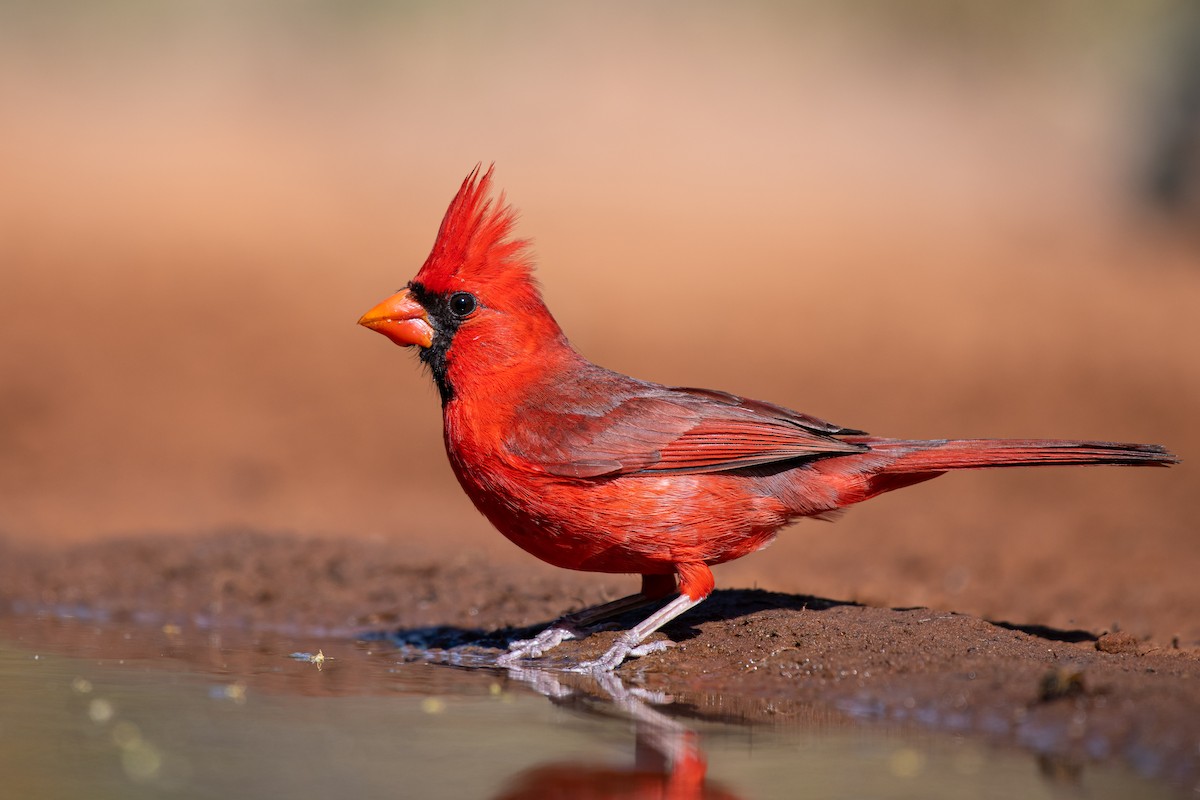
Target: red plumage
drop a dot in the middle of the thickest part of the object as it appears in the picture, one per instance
(589, 469)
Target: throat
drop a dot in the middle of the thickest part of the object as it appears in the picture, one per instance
(435, 358)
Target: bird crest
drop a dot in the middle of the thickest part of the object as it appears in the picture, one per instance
(474, 245)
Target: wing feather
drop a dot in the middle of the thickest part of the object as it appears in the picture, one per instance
(655, 429)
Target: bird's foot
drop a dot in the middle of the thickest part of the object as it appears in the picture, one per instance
(559, 632)
(627, 645)
(651, 647)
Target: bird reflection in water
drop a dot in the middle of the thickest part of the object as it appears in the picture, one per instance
(668, 762)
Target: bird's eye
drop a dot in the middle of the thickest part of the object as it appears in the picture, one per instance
(462, 304)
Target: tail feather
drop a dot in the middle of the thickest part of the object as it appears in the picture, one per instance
(895, 463)
(948, 454)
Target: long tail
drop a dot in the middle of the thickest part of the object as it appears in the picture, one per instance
(947, 454)
(899, 463)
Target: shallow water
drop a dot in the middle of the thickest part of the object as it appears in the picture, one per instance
(127, 711)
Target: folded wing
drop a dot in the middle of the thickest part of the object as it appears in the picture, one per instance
(656, 429)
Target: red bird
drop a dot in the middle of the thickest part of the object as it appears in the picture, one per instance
(589, 469)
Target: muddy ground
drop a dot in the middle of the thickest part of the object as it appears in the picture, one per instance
(1070, 695)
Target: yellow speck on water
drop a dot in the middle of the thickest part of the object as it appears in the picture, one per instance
(906, 763)
(171, 630)
(141, 762)
(235, 692)
(81, 686)
(100, 711)
(140, 759)
(433, 705)
(497, 691)
(318, 659)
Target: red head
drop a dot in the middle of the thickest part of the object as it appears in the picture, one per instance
(473, 244)
(474, 307)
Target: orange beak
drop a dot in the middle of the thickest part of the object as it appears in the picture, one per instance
(402, 319)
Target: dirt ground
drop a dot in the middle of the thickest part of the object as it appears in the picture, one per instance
(1070, 695)
(914, 229)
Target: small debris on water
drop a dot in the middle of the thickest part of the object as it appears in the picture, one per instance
(319, 659)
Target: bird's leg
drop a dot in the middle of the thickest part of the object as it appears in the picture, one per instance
(628, 642)
(576, 625)
(567, 627)
(695, 584)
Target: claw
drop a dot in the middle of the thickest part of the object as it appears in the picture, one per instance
(548, 639)
(575, 626)
(651, 647)
(627, 645)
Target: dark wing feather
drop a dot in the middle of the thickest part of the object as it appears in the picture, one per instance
(648, 428)
(771, 410)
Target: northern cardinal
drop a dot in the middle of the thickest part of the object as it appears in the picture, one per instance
(592, 470)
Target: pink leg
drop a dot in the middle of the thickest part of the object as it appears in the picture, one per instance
(695, 584)
(575, 626)
(630, 642)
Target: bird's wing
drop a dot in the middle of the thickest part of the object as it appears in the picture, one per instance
(658, 430)
(771, 410)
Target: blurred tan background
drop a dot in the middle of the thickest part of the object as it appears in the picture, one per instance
(924, 219)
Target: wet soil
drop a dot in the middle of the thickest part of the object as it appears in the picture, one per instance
(1072, 695)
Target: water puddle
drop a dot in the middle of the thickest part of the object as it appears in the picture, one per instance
(111, 711)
